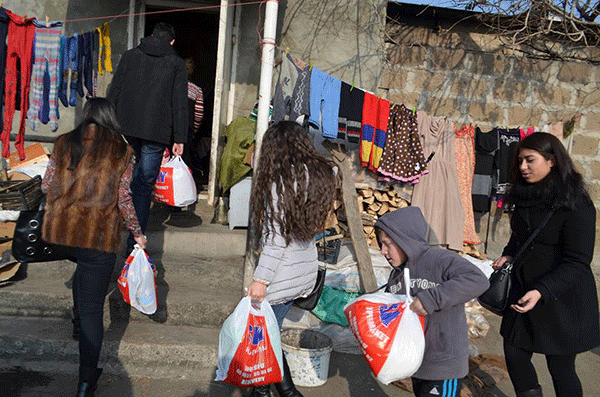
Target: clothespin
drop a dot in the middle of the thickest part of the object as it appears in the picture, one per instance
(352, 86)
(311, 65)
(47, 21)
(414, 109)
(1, 4)
(287, 51)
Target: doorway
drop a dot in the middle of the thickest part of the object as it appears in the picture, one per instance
(196, 38)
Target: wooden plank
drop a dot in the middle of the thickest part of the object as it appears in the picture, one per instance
(349, 195)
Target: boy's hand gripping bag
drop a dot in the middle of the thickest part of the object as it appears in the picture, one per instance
(250, 346)
(175, 184)
(137, 281)
(390, 335)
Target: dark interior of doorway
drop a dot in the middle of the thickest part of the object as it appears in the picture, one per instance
(196, 37)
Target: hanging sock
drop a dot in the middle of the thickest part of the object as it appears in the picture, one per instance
(80, 57)
(44, 113)
(64, 71)
(95, 49)
(74, 59)
(104, 49)
(47, 55)
(88, 38)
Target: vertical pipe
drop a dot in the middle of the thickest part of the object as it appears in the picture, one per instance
(266, 74)
(130, 21)
(234, 56)
(262, 122)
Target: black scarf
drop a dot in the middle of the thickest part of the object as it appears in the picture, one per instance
(544, 192)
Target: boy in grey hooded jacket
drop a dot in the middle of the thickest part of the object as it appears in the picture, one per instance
(441, 282)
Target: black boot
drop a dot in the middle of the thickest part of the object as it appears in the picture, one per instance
(286, 388)
(88, 379)
(261, 391)
(537, 392)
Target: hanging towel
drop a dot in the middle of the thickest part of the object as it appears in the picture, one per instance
(376, 114)
(351, 111)
(324, 102)
(465, 165)
(301, 96)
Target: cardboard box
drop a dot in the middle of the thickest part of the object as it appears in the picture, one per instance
(33, 154)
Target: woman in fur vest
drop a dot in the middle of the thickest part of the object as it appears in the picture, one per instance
(553, 302)
(87, 200)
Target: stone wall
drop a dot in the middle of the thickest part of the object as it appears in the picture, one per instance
(469, 77)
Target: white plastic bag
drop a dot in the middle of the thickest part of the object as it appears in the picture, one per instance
(137, 281)
(175, 184)
(391, 336)
(250, 346)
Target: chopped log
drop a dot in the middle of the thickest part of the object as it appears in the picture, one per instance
(384, 209)
(369, 200)
(366, 193)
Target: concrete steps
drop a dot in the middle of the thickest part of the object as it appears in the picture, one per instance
(192, 291)
(130, 349)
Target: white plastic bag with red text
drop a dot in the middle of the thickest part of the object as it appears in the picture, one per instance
(390, 335)
(175, 184)
(137, 281)
(250, 346)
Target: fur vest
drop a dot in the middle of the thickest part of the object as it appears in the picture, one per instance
(82, 204)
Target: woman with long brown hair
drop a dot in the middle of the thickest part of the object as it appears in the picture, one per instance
(87, 199)
(294, 188)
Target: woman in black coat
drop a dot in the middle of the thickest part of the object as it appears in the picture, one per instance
(553, 301)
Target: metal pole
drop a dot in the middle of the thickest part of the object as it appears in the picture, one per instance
(130, 21)
(262, 122)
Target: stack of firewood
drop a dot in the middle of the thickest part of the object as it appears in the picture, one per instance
(374, 203)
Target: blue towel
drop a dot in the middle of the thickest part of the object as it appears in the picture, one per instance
(324, 102)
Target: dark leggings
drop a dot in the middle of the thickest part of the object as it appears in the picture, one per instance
(523, 376)
(90, 284)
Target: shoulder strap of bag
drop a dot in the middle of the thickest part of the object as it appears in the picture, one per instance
(532, 236)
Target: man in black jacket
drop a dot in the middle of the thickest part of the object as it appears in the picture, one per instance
(149, 90)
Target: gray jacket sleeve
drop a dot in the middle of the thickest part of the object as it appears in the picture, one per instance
(463, 281)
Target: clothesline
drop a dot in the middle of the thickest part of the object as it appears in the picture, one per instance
(123, 14)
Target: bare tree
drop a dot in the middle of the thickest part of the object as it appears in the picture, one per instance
(547, 29)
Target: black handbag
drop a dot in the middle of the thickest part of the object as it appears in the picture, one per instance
(495, 298)
(310, 302)
(27, 244)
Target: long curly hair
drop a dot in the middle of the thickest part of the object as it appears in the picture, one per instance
(303, 180)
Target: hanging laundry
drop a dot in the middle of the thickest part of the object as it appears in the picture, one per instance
(84, 64)
(465, 167)
(350, 115)
(301, 96)
(104, 49)
(376, 113)
(485, 175)
(324, 102)
(63, 75)
(47, 59)
(508, 142)
(95, 54)
(526, 132)
(289, 70)
(402, 157)
(438, 194)
(21, 32)
(3, 34)
(44, 113)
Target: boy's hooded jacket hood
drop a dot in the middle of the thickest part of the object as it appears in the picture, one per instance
(408, 228)
(443, 282)
(156, 46)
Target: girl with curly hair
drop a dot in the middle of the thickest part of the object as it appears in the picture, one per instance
(294, 189)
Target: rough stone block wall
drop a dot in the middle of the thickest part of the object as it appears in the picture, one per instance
(470, 79)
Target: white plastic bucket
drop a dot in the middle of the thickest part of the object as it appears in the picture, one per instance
(307, 353)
